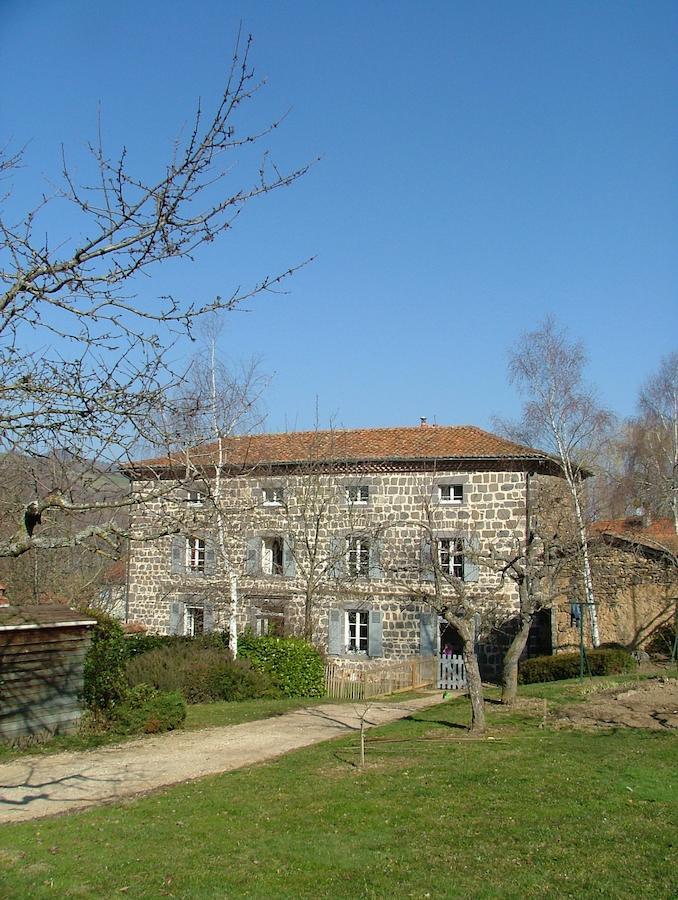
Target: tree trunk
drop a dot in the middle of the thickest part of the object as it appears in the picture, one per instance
(509, 674)
(475, 685)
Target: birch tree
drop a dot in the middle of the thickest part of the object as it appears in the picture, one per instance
(561, 415)
(85, 348)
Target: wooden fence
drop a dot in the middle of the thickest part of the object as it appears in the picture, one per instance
(344, 683)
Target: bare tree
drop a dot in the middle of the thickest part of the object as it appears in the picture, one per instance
(659, 428)
(436, 573)
(561, 415)
(84, 358)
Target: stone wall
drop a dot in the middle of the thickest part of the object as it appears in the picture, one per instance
(400, 503)
(636, 592)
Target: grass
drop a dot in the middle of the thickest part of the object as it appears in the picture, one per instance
(534, 813)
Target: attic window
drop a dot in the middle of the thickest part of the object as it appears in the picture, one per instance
(451, 493)
(358, 494)
(273, 496)
(195, 497)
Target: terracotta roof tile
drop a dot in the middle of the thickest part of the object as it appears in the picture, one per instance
(660, 534)
(425, 442)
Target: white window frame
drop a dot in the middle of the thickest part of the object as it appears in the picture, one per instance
(454, 491)
(193, 615)
(272, 495)
(269, 565)
(357, 631)
(196, 554)
(358, 494)
(451, 557)
(358, 556)
(195, 498)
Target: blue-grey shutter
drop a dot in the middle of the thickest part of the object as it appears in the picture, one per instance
(428, 634)
(289, 562)
(337, 561)
(176, 617)
(426, 559)
(471, 567)
(375, 644)
(376, 547)
(208, 617)
(178, 566)
(210, 557)
(335, 635)
(253, 556)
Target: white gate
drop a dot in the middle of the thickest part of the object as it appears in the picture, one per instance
(452, 673)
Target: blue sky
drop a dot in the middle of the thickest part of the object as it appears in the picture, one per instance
(481, 165)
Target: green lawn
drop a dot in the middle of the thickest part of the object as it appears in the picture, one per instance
(533, 813)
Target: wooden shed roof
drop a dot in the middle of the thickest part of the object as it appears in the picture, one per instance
(47, 616)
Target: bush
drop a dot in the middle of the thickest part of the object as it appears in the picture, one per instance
(295, 666)
(146, 711)
(566, 665)
(105, 684)
(136, 644)
(200, 672)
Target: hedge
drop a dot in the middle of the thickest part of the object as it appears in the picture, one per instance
(200, 672)
(295, 666)
(566, 665)
(105, 685)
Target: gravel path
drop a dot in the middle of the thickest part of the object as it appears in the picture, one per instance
(35, 786)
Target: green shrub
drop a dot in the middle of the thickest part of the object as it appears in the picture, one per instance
(137, 644)
(200, 672)
(146, 711)
(105, 684)
(295, 666)
(566, 665)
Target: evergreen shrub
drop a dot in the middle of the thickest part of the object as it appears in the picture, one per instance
(566, 665)
(294, 665)
(147, 711)
(200, 672)
(105, 685)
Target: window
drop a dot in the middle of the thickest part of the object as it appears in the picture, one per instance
(357, 631)
(195, 554)
(194, 620)
(358, 556)
(273, 496)
(272, 556)
(269, 622)
(358, 494)
(451, 556)
(451, 493)
(195, 498)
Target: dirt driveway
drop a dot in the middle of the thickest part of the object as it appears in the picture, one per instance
(35, 786)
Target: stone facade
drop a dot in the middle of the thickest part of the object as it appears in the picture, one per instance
(636, 590)
(405, 502)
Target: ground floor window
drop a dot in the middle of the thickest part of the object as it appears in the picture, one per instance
(194, 620)
(357, 630)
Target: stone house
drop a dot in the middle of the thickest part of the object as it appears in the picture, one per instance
(329, 533)
(635, 573)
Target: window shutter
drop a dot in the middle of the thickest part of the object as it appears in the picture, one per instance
(210, 557)
(176, 617)
(337, 560)
(426, 559)
(376, 547)
(178, 554)
(208, 617)
(375, 644)
(335, 637)
(289, 562)
(253, 556)
(471, 567)
(428, 634)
